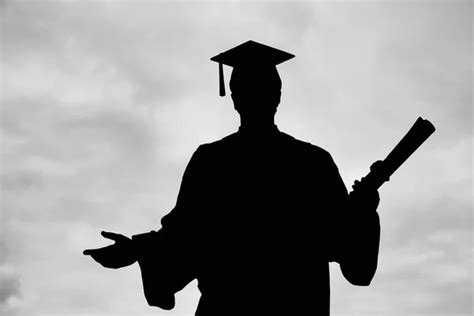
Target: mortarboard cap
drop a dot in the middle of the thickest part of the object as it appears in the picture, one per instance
(249, 53)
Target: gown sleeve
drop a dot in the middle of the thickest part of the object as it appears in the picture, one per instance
(355, 230)
(166, 256)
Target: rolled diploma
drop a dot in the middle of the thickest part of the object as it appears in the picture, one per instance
(417, 135)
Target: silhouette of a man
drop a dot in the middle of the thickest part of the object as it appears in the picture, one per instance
(259, 214)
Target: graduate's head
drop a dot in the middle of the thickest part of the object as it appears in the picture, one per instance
(255, 83)
(255, 90)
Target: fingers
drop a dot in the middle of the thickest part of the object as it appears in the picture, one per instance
(109, 235)
(89, 252)
(356, 184)
(113, 236)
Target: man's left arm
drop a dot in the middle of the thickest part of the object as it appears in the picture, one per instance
(357, 229)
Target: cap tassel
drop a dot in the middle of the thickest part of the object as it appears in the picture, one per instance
(221, 81)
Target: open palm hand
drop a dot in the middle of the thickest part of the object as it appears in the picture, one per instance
(118, 255)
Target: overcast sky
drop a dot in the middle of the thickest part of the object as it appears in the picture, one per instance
(103, 103)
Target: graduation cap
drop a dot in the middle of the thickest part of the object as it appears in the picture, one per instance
(249, 54)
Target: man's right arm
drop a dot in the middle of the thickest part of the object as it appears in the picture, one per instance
(164, 255)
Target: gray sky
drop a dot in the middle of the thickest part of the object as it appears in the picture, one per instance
(103, 103)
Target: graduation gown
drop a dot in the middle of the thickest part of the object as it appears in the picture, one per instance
(257, 220)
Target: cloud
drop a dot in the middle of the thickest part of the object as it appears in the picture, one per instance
(10, 289)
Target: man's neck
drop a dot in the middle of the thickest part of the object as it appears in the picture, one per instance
(259, 128)
(258, 124)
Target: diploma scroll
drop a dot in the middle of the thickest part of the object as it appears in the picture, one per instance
(417, 135)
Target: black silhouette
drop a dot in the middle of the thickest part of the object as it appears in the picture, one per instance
(259, 214)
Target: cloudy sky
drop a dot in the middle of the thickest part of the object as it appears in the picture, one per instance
(103, 103)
